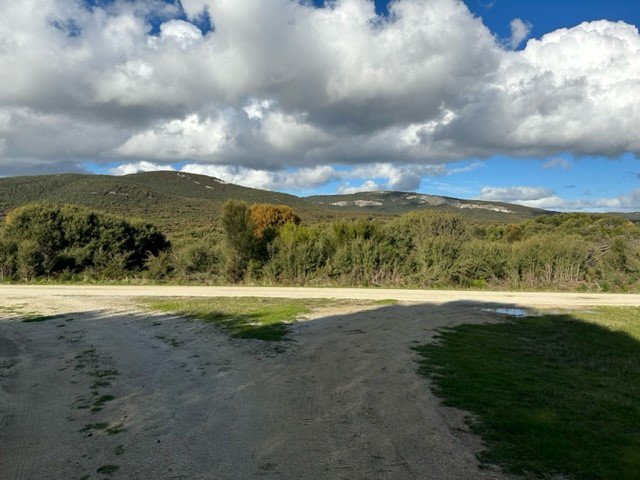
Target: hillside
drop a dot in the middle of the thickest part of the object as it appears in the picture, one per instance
(173, 200)
(177, 200)
(395, 203)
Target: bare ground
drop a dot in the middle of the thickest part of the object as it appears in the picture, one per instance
(342, 399)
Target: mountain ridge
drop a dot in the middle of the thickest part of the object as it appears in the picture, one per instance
(175, 199)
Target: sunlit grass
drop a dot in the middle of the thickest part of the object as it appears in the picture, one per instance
(249, 317)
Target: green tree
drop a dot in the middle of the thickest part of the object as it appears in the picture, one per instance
(239, 238)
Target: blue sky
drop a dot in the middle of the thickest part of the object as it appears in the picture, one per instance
(494, 102)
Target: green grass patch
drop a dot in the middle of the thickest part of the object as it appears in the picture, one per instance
(99, 384)
(9, 309)
(107, 469)
(99, 403)
(109, 374)
(27, 317)
(259, 318)
(35, 318)
(116, 429)
(387, 301)
(557, 394)
(93, 426)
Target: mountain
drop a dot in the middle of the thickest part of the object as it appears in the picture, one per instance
(177, 200)
(394, 203)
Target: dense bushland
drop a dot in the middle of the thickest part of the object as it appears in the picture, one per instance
(43, 240)
(267, 244)
(434, 249)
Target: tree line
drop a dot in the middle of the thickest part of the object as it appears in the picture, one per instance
(268, 244)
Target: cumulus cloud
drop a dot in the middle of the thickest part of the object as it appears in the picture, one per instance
(129, 168)
(270, 180)
(280, 85)
(515, 194)
(188, 138)
(520, 30)
(381, 176)
(182, 34)
(541, 197)
(368, 186)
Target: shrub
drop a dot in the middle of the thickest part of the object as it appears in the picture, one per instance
(240, 240)
(52, 239)
(30, 260)
(198, 257)
(297, 254)
(8, 257)
(160, 266)
(481, 262)
(267, 218)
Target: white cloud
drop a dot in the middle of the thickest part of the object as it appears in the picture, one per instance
(368, 186)
(381, 176)
(270, 180)
(286, 133)
(129, 168)
(520, 30)
(541, 197)
(282, 85)
(180, 33)
(256, 109)
(515, 194)
(558, 163)
(188, 138)
(395, 177)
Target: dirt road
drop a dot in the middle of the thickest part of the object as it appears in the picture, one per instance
(143, 396)
(530, 299)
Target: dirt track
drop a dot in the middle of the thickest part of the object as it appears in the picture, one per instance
(530, 299)
(342, 400)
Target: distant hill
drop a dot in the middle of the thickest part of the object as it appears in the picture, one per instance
(394, 203)
(173, 200)
(177, 200)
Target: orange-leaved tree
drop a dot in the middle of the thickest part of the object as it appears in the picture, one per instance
(267, 218)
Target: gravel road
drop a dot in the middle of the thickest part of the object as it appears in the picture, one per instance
(105, 384)
(526, 299)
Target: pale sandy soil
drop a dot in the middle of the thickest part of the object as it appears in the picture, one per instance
(532, 299)
(341, 400)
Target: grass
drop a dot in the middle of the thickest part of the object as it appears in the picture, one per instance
(109, 374)
(107, 469)
(551, 395)
(99, 403)
(27, 317)
(93, 426)
(257, 318)
(35, 318)
(6, 309)
(115, 429)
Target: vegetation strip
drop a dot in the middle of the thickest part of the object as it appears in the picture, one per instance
(271, 245)
(250, 317)
(258, 318)
(552, 395)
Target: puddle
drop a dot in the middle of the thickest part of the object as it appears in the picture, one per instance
(523, 312)
(513, 312)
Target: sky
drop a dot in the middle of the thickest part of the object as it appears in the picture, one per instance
(536, 103)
